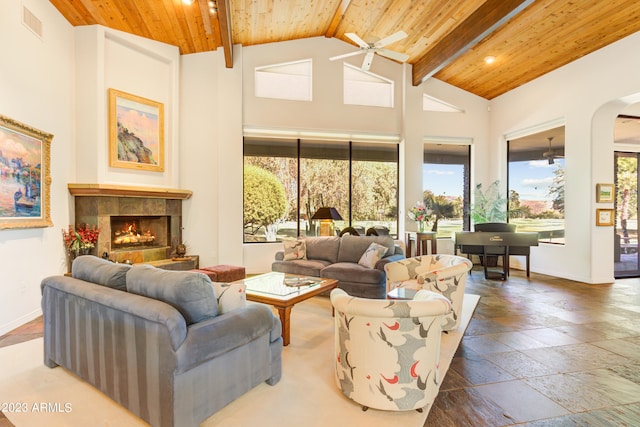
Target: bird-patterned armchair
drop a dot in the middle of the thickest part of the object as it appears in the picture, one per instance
(444, 274)
(387, 352)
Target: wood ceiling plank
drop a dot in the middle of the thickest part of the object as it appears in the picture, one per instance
(544, 36)
(206, 16)
(538, 41)
(483, 21)
(74, 12)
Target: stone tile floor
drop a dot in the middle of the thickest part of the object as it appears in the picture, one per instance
(545, 351)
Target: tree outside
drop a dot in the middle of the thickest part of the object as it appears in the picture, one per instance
(265, 203)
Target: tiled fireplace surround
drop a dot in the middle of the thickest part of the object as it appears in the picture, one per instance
(96, 204)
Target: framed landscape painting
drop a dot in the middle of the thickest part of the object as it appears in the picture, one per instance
(24, 175)
(136, 132)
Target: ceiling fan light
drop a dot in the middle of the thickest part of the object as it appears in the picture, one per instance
(489, 59)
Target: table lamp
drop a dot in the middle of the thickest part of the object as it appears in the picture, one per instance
(326, 216)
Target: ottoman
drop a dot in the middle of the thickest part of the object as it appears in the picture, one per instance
(223, 273)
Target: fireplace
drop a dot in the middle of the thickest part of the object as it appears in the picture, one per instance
(136, 224)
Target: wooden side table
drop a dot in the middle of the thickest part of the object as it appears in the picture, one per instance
(421, 239)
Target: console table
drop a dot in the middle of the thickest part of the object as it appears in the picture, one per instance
(421, 239)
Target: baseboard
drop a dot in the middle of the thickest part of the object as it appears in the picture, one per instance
(8, 327)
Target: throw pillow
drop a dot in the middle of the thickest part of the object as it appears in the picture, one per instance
(230, 296)
(372, 255)
(190, 293)
(294, 249)
(100, 271)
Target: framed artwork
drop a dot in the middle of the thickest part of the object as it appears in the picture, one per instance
(605, 193)
(604, 217)
(136, 132)
(24, 176)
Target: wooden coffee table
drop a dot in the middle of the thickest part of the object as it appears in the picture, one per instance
(269, 288)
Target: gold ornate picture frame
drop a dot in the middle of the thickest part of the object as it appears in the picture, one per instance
(136, 132)
(25, 161)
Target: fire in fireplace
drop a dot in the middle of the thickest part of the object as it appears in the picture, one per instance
(138, 232)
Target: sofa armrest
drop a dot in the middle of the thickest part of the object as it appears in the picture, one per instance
(279, 256)
(384, 261)
(445, 273)
(213, 337)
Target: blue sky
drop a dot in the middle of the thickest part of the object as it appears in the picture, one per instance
(530, 179)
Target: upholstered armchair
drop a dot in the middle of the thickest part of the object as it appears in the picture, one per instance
(444, 274)
(387, 352)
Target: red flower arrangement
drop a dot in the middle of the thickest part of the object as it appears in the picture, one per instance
(84, 237)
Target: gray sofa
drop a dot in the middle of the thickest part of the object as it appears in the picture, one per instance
(337, 258)
(171, 359)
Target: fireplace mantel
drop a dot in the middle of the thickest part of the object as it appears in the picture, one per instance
(128, 191)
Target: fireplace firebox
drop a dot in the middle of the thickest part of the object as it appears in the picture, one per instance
(135, 232)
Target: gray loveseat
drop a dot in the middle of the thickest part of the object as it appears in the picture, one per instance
(171, 363)
(337, 258)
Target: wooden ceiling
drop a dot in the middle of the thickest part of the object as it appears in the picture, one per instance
(448, 39)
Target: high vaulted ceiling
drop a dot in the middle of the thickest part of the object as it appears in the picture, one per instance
(447, 39)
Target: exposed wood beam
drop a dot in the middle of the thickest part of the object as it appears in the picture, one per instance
(337, 18)
(485, 20)
(224, 16)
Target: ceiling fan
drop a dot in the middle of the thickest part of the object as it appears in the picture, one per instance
(369, 49)
(552, 155)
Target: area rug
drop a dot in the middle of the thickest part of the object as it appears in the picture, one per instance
(306, 395)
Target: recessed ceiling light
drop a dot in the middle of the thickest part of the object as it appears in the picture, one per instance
(188, 1)
(489, 59)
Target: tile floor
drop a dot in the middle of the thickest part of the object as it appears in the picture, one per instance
(538, 352)
(546, 352)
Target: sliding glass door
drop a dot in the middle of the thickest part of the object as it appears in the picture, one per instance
(626, 254)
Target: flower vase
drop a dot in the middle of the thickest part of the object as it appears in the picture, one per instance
(420, 226)
(71, 255)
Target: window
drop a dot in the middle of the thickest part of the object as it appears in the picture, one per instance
(365, 88)
(429, 103)
(290, 80)
(445, 185)
(536, 184)
(358, 178)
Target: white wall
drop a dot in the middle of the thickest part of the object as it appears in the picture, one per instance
(36, 88)
(113, 59)
(588, 94)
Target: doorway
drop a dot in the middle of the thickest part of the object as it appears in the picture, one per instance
(626, 254)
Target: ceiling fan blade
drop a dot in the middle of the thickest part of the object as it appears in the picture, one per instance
(357, 40)
(346, 55)
(368, 59)
(391, 54)
(390, 39)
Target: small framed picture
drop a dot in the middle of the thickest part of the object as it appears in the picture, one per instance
(605, 193)
(604, 217)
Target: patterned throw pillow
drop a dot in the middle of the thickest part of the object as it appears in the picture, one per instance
(230, 296)
(372, 255)
(294, 249)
